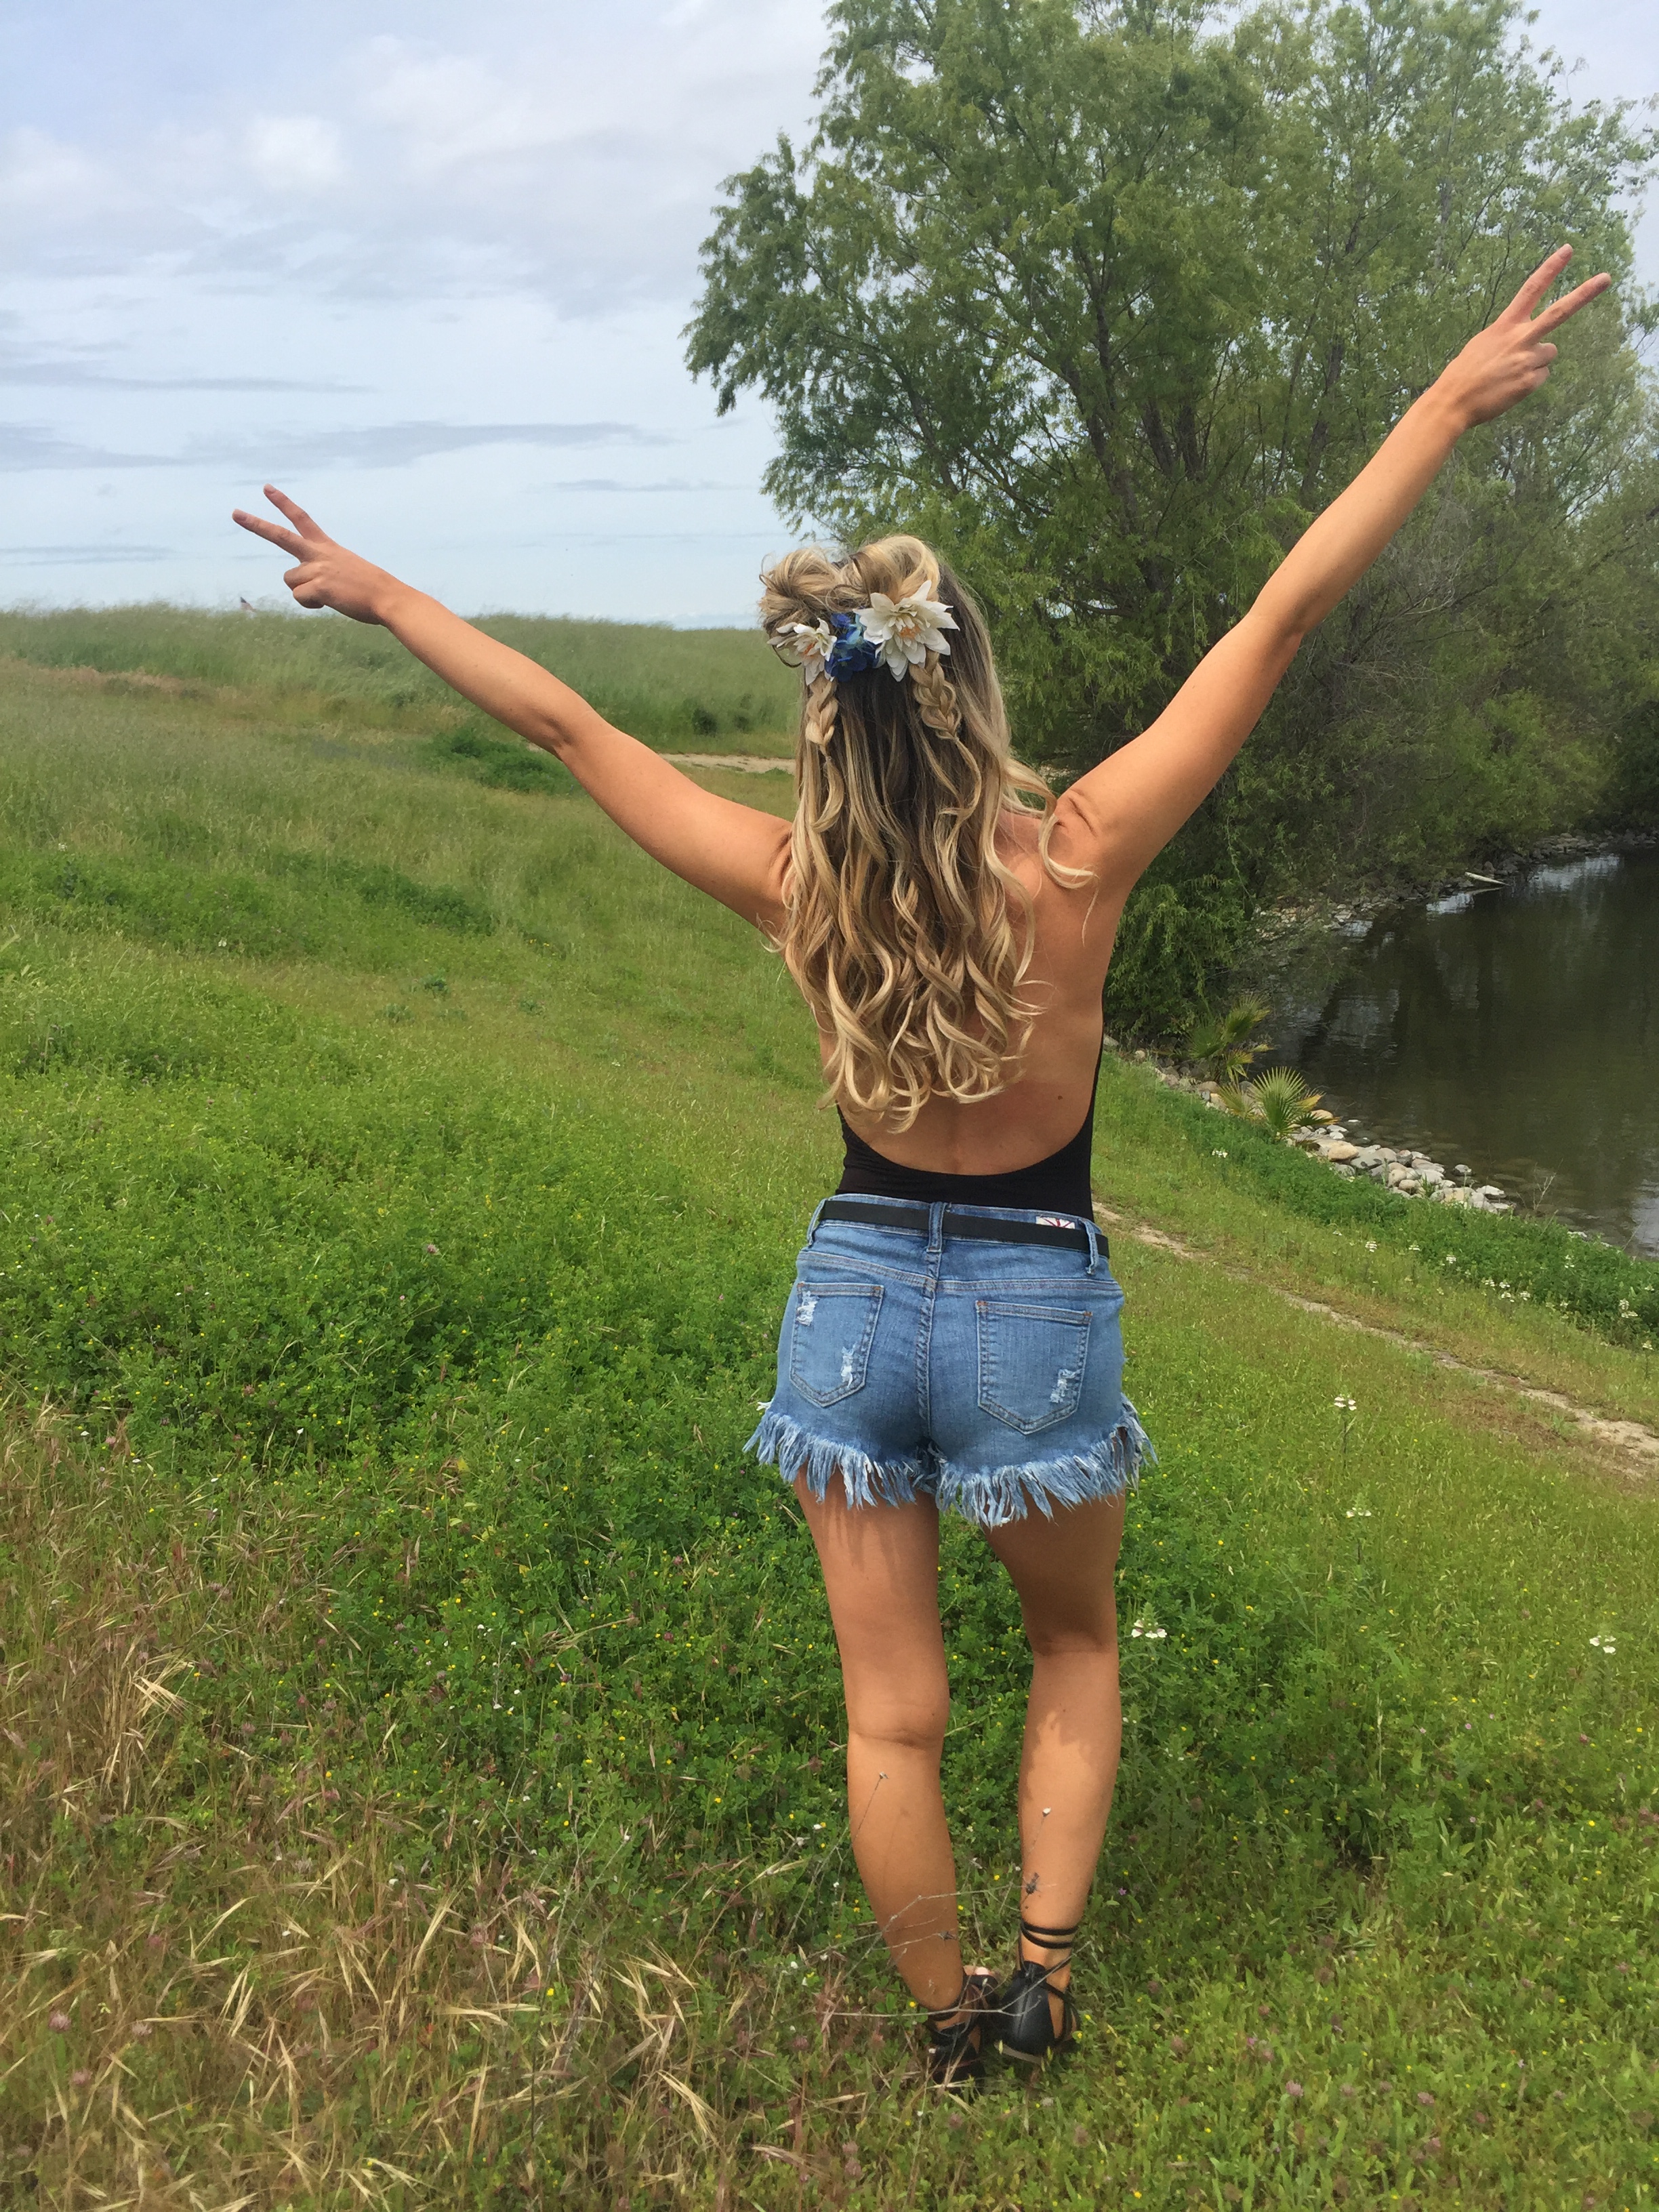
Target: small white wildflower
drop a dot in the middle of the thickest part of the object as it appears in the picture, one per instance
(1604, 1644)
(1413, 1248)
(1359, 1513)
(1370, 1243)
(1218, 1154)
(1344, 1404)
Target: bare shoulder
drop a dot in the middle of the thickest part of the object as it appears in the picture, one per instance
(1074, 905)
(1067, 866)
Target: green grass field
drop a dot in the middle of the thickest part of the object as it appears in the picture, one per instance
(420, 1730)
(685, 690)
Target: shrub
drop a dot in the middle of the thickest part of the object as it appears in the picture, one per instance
(1175, 947)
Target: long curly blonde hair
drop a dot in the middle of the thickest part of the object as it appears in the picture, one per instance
(908, 934)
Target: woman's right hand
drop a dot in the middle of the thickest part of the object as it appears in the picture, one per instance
(1512, 357)
(328, 574)
(1126, 809)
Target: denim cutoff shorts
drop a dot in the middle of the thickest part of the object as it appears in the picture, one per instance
(986, 1376)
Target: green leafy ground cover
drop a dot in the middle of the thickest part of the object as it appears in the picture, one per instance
(384, 1572)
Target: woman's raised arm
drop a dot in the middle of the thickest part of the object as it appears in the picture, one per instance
(1122, 813)
(738, 854)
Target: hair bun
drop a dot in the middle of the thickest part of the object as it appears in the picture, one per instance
(806, 586)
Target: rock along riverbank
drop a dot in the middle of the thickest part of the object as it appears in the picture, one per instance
(1413, 1174)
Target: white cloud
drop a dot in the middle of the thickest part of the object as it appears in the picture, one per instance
(416, 268)
(36, 445)
(102, 554)
(295, 153)
(578, 161)
(451, 109)
(278, 453)
(43, 180)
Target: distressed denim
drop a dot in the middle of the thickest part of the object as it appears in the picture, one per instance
(987, 1377)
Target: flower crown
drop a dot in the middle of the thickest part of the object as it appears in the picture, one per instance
(899, 633)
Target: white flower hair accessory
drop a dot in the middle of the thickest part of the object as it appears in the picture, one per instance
(897, 634)
(906, 630)
(807, 646)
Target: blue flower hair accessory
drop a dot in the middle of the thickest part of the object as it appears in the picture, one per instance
(896, 633)
(853, 653)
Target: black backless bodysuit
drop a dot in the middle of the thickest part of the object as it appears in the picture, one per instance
(1059, 1184)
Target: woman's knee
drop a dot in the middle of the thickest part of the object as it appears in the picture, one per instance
(916, 1721)
(1087, 1639)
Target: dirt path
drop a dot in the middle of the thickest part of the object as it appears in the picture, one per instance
(1630, 1438)
(747, 763)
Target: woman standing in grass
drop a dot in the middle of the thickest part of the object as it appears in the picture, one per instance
(952, 1340)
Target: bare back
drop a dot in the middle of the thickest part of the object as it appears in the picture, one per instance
(1044, 1109)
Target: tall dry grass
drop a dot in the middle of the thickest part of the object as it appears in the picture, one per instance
(227, 1985)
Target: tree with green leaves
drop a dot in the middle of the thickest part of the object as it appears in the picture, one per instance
(1108, 302)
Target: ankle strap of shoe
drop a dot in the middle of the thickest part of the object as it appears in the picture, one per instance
(970, 1984)
(1048, 1939)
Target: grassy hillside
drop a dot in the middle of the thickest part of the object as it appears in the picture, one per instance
(675, 688)
(421, 1729)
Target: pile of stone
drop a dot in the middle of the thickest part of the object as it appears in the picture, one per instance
(1413, 1174)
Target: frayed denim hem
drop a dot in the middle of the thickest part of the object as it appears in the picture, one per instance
(1002, 1494)
(783, 1444)
(990, 1499)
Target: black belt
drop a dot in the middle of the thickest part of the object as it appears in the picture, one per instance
(912, 1214)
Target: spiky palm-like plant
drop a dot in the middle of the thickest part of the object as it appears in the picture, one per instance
(1223, 1041)
(1279, 1100)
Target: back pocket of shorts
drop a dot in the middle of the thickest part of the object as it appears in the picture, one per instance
(830, 1338)
(1031, 1360)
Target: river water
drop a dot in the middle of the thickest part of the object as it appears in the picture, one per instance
(1516, 1030)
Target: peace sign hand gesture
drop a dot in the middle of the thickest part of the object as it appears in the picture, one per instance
(327, 576)
(1512, 357)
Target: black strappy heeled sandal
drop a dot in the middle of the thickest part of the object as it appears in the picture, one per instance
(1027, 2022)
(955, 2061)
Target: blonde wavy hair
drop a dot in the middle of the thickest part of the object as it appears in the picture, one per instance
(908, 934)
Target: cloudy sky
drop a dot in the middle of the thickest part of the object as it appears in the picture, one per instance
(424, 265)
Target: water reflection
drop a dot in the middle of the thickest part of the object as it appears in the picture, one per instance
(1516, 1030)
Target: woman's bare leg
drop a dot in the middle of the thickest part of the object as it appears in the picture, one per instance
(881, 1573)
(1063, 1570)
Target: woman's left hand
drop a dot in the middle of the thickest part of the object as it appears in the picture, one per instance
(327, 576)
